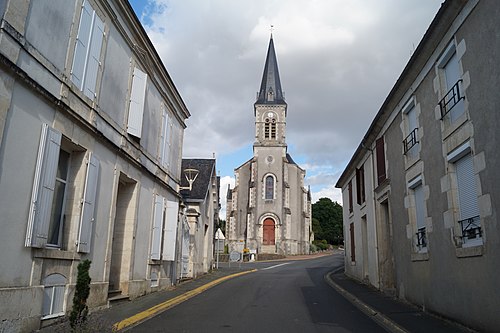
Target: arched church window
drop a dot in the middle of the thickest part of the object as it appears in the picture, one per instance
(269, 187)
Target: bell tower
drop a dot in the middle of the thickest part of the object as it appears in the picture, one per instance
(270, 108)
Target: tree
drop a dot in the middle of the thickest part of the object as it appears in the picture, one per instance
(329, 215)
(79, 311)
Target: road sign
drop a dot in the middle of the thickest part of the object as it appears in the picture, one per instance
(235, 256)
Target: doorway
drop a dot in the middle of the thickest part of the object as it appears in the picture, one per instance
(268, 232)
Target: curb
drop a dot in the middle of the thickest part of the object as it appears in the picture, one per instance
(373, 314)
(157, 309)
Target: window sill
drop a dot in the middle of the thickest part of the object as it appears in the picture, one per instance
(472, 251)
(421, 256)
(56, 254)
(52, 316)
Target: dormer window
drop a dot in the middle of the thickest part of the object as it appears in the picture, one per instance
(270, 95)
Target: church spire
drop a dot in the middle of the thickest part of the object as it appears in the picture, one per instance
(270, 89)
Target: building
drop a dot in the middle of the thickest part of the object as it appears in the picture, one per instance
(91, 132)
(421, 191)
(269, 207)
(201, 201)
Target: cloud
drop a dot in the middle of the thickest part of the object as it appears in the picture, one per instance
(338, 61)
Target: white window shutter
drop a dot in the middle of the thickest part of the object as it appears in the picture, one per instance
(158, 212)
(136, 107)
(88, 205)
(467, 192)
(82, 45)
(170, 234)
(93, 58)
(419, 205)
(164, 151)
(43, 187)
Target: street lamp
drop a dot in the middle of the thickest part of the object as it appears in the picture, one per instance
(191, 175)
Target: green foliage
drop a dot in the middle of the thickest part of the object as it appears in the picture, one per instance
(321, 244)
(329, 226)
(222, 226)
(80, 309)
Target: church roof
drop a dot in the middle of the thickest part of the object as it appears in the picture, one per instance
(271, 84)
(201, 185)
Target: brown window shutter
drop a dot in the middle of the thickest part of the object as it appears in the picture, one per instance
(379, 146)
(353, 247)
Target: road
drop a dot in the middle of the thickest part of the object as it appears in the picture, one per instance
(286, 296)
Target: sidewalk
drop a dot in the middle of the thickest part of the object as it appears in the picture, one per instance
(392, 314)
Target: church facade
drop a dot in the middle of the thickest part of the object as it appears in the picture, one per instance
(269, 209)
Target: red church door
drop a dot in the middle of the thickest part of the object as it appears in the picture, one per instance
(268, 232)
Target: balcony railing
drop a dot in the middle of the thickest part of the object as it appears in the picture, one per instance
(421, 238)
(410, 141)
(452, 97)
(471, 228)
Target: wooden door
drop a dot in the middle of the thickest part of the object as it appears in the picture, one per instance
(268, 232)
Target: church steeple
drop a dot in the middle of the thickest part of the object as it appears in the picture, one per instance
(270, 89)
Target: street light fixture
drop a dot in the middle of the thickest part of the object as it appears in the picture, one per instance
(191, 175)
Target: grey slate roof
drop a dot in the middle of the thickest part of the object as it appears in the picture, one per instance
(201, 185)
(271, 79)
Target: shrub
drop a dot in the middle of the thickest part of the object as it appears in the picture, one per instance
(80, 309)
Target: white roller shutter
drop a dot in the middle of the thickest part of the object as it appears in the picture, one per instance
(88, 205)
(43, 187)
(419, 205)
(467, 192)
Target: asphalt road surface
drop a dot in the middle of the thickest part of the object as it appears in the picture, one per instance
(286, 296)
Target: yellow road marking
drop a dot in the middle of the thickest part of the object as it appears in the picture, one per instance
(172, 302)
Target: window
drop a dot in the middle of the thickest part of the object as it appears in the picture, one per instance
(360, 185)
(453, 100)
(353, 247)
(469, 219)
(270, 128)
(415, 185)
(164, 228)
(53, 298)
(379, 150)
(410, 143)
(47, 207)
(269, 190)
(165, 139)
(349, 189)
(86, 60)
(136, 106)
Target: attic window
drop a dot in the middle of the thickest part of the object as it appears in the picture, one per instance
(270, 95)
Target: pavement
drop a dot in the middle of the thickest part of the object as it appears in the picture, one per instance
(393, 315)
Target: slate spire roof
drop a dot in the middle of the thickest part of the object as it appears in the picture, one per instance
(270, 89)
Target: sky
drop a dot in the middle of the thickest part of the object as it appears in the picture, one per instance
(338, 60)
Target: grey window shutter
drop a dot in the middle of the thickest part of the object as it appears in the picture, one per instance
(159, 208)
(94, 56)
(88, 205)
(82, 45)
(419, 206)
(165, 131)
(169, 236)
(467, 192)
(43, 187)
(136, 107)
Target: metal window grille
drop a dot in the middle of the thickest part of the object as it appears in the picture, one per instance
(452, 97)
(471, 228)
(421, 238)
(410, 141)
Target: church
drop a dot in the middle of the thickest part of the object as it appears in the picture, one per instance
(269, 208)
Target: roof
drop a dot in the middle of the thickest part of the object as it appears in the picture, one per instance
(201, 185)
(271, 83)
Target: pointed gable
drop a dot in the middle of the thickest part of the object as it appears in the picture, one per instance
(270, 89)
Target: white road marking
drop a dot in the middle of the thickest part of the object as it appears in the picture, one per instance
(270, 267)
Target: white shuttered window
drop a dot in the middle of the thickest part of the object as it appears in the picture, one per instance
(158, 216)
(88, 205)
(86, 60)
(467, 192)
(136, 106)
(43, 187)
(169, 236)
(166, 133)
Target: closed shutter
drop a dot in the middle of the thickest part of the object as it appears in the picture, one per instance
(136, 107)
(349, 188)
(169, 236)
(379, 146)
(158, 210)
(82, 45)
(88, 205)
(43, 187)
(419, 205)
(467, 192)
(165, 147)
(94, 56)
(353, 247)
(452, 75)
(175, 154)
